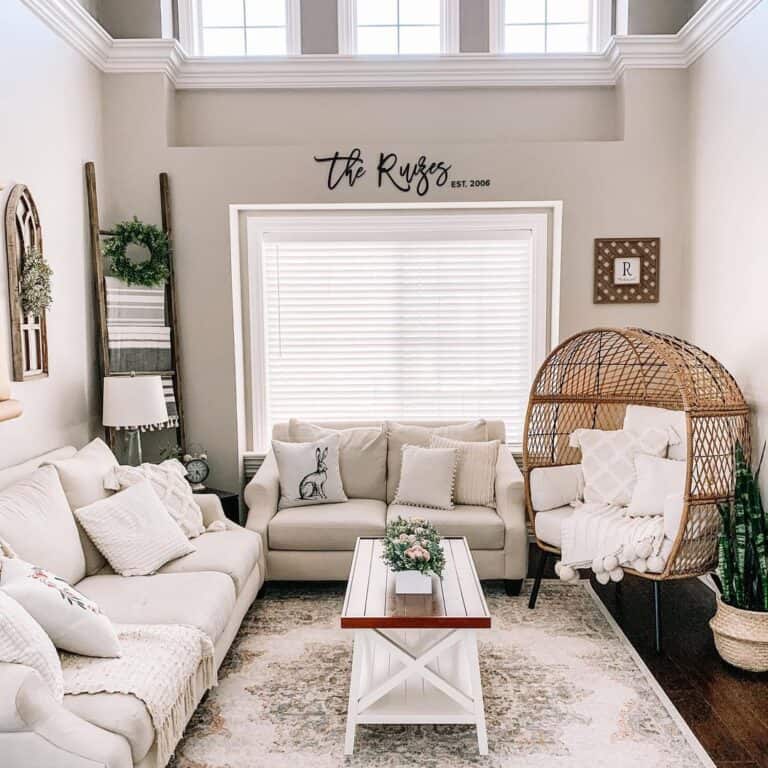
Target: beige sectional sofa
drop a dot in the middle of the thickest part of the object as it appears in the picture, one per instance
(211, 589)
(315, 543)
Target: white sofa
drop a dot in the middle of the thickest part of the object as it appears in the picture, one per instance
(211, 589)
(315, 543)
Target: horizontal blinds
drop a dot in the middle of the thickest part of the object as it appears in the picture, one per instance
(420, 328)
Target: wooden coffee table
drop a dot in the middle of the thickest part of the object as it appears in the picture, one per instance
(415, 657)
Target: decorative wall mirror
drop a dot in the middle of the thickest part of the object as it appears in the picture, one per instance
(24, 239)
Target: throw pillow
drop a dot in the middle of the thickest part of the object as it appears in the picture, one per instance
(169, 483)
(555, 487)
(133, 530)
(309, 472)
(475, 470)
(362, 456)
(23, 641)
(608, 460)
(656, 479)
(640, 417)
(82, 478)
(72, 621)
(410, 434)
(427, 477)
(37, 524)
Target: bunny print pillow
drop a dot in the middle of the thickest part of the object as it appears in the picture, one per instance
(309, 472)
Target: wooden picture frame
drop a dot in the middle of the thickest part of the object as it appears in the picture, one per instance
(29, 333)
(627, 270)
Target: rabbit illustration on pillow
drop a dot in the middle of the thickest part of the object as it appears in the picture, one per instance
(312, 486)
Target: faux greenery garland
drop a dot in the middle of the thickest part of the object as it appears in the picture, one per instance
(35, 283)
(413, 545)
(154, 270)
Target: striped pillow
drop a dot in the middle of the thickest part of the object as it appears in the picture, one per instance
(475, 471)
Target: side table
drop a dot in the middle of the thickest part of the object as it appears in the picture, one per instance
(230, 501)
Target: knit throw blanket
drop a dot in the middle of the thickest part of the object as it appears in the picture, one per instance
(159, 665)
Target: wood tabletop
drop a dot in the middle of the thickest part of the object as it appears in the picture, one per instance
(456, 602)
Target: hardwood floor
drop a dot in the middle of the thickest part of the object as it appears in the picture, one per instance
(727, 709)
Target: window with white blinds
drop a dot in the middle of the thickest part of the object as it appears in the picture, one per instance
(406, 325)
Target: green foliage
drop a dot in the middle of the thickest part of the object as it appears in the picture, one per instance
(153, 271)
(743, 547)
(413, 545)
(35, 283)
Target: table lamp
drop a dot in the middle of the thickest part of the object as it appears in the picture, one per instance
(132, 402)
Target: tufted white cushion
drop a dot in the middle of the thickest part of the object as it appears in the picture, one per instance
(475, 470)
(608, 460)
(640, 417)
(23, 641)
(656, 479)
(427, 477)
(169, 483)
(133, 530)
(72, 621)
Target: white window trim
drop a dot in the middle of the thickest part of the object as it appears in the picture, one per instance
(191, 26)
(449, 27)
(600, 22)
(247, 221)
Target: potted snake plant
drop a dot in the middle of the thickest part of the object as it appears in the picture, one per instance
(740, 626)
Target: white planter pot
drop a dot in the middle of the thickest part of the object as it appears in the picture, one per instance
(412, 583)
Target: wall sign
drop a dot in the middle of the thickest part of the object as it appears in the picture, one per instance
(627, 270)
(420, 175)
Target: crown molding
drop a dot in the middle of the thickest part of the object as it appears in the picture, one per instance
(161, 56)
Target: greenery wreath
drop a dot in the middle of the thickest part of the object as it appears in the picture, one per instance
(35, 283)
(154, 270)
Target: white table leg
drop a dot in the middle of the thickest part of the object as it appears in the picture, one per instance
(470, 643)
(358, 651)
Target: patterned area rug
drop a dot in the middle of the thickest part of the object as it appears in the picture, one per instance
(562, 686)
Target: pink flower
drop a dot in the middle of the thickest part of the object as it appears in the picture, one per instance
(403, 537)
(417, 552)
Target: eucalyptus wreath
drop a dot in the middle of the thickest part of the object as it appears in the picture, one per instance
(413, 544)
(154, 270)
(35, 283)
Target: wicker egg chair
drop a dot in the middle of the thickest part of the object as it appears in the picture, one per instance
(588, 382)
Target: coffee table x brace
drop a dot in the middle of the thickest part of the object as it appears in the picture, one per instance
(415, 657)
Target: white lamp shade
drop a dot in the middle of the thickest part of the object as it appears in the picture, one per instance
(134, 401)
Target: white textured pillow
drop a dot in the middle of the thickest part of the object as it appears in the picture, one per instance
(362, 456)
(169, 483)
(427, 477)
(133, 530)
(640, 417)
(36, 522)
(475, 470)
(656, 479)
(555, 487)
(608, 460)
(400, 435)
(309, 472)
(82, 478)
(72, 621)
(23, 641)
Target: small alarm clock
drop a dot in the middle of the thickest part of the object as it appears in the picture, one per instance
(197, 469)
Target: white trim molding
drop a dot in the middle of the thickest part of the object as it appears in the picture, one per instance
(73, 23)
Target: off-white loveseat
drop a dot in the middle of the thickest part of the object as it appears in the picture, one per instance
(211, 589)
(315, 543)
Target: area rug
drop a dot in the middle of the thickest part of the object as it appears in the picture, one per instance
(562, 685)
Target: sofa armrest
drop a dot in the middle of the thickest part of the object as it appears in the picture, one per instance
(210, 505)
(262, 495)
(510, 504)
(36, 730)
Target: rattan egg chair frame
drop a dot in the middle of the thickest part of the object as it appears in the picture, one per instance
(589, 380)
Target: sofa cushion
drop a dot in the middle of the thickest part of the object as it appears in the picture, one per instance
(203, 600)
(412, 434)
(17, 472)
(118, 713)
(37, 524)
(362, 456)
(327, 526)
(482, 526)
(547, 524)
(234, 552)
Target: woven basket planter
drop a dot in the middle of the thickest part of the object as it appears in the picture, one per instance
(741, 637)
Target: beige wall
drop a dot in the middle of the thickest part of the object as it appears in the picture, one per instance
(50, 102)
(660, 17)
(631, 182)
(728, 265)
